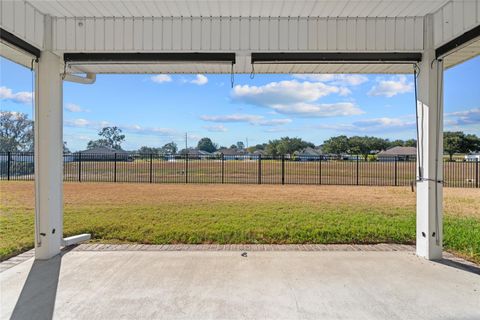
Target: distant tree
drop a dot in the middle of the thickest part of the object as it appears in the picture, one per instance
(359, 145)
(234, 146)
(402, 143)
(112, 137)
(396, 143)
(170, 148)
(459, 142)
(286, 145)
(206, 144)
(16, 132)
(99, 143)
(149, 150)
(410, 143)
(377, 144)
(366, 145)
(272, 147)
(240, 145)
(257, 147)
(336, 145)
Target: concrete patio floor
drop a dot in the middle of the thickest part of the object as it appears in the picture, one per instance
(144, 284)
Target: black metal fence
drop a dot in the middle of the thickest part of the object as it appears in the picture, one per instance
(244, 169)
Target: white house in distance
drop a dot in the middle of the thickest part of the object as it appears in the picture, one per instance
(473, 157)
(398, 153)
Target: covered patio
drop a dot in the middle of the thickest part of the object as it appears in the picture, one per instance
(218, 282)
(75, 40)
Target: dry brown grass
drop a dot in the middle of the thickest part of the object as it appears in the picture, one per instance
(457, 202)
(213, 213)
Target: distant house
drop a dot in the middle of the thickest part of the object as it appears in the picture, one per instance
(233, 154)
(473, 157)
(102, 154)
(194, 153)
(309, 154)
(398, 153)
(257, 153)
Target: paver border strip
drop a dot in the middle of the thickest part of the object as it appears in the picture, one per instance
(449, 259)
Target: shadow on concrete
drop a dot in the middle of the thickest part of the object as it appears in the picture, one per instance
(459, 265)
(37, 299)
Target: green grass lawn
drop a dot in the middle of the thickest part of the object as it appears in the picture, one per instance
(161, 214)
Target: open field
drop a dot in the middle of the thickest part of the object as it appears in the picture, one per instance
(161, 214)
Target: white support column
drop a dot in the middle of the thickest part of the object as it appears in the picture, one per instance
(48, 152)
(429, 232)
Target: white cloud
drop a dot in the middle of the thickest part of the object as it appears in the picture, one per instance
(18, 97)
(78, 123)
(467, 117)
(232, 118)
(75, 108)
(296, 98)
(161, 78)
(283, 92)
(391, 87)
(340, 109)
(374, 125)
(216, 128)
(335, 79)
(248, 118)
(200, 80)
(135, 128)
(274, 122)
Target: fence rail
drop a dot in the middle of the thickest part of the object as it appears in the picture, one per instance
(245, 169)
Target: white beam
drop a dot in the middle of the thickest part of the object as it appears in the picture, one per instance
(23, 20)
(429, 232)
(48, 154)
(455, 18)
(240, 34)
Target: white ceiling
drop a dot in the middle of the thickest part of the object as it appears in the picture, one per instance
(454, 13)
(237, 8)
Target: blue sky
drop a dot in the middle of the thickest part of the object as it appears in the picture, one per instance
(155, 109)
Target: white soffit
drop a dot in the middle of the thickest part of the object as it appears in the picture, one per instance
(463, 54)
(242, 27)
(237, 8)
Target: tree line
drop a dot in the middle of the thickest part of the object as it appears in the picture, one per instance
(16, 134)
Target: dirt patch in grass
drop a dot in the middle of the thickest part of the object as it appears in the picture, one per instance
(457, 202)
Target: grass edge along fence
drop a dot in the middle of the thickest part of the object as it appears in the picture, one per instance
(236, 169)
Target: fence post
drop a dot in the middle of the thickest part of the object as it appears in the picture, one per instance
(320, 170)
(151, 167)
(395, 171)
(223, 168)
(476, 173)
(283, 169)
(186, 168)
(79, 167)
(259, 169)
(9, 159)
(357, 170)
(115, 168)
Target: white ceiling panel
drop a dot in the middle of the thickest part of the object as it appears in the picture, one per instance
(236, 8)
